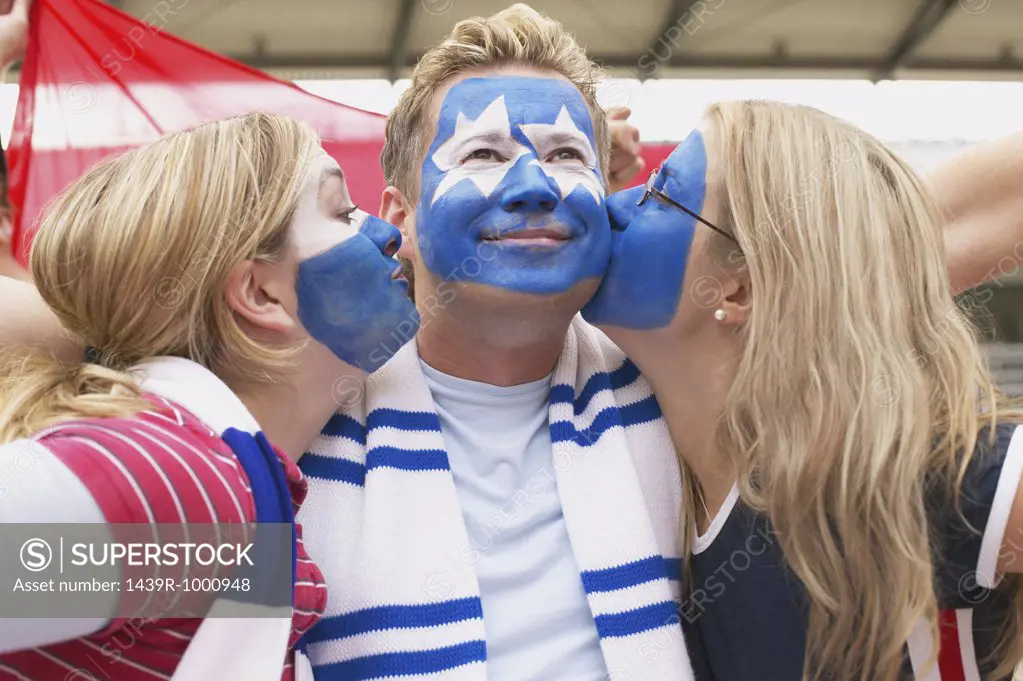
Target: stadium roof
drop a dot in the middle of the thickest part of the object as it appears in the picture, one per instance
(873, 39)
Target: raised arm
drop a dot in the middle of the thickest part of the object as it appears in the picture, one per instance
(981, 192)
(13, 40)
(26, 321)
(626, 157)
(13, 30)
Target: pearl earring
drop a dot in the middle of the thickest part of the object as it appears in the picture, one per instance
(720, 314)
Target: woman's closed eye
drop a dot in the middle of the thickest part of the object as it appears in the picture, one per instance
(345, 214)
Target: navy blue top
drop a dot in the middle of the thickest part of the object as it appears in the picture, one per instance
(746, 616)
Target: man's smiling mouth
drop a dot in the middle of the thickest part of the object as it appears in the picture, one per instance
(531, 236)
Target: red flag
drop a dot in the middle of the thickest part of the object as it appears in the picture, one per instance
(96, 81)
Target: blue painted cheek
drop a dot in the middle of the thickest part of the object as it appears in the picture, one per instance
(622, 207)
(444, 231)
(684, 175)
(348, 302)
(594, 253)
(643, 285)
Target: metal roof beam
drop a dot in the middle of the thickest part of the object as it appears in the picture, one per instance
(400, 39)
(671, 30)
(749, 63)
(928, 16)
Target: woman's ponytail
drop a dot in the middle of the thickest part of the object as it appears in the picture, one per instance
(38, 390)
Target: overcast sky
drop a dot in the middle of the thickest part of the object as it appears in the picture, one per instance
(924, 120)
(893, 110)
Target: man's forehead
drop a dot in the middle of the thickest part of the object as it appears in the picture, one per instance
(527, 99)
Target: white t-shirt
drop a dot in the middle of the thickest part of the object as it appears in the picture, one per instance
(538, 623)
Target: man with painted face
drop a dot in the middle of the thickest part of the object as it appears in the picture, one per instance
(502, 502)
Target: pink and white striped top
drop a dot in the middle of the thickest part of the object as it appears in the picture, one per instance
(163, 465)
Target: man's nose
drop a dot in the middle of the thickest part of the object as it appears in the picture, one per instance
(528, 189)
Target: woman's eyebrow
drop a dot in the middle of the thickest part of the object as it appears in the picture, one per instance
(328, 173)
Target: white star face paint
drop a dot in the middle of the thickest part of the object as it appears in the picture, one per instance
(565, 134)
(492, 129)
(513, 168)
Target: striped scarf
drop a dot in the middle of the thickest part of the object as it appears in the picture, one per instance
(382, 520)
(213, 654)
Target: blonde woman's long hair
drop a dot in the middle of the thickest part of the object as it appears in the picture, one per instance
(134, 256)
(861, 383)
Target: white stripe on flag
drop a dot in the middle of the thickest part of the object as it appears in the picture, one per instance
(964, 622)
(922, 655)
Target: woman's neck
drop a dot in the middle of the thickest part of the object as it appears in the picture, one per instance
(691, 389)
(292, 410)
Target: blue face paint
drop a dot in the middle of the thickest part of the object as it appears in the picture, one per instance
(384, 235)
(348, 301)
(643, 284)
(511, 189)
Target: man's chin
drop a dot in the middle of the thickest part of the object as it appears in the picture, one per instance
(540, 295)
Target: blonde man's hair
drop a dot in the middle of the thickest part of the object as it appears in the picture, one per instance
(844, 447)
(134, 256)
(518, 36)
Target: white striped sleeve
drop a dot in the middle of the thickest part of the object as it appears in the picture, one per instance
(36, 487)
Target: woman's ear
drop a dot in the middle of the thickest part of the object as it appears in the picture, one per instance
(262, 294)
(736, 298)
(396, 209)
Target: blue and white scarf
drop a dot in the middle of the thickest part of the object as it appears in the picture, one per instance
(224, 647)
(383, 522)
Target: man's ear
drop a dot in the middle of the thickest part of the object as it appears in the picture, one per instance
(261, 293)
(398, 210)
